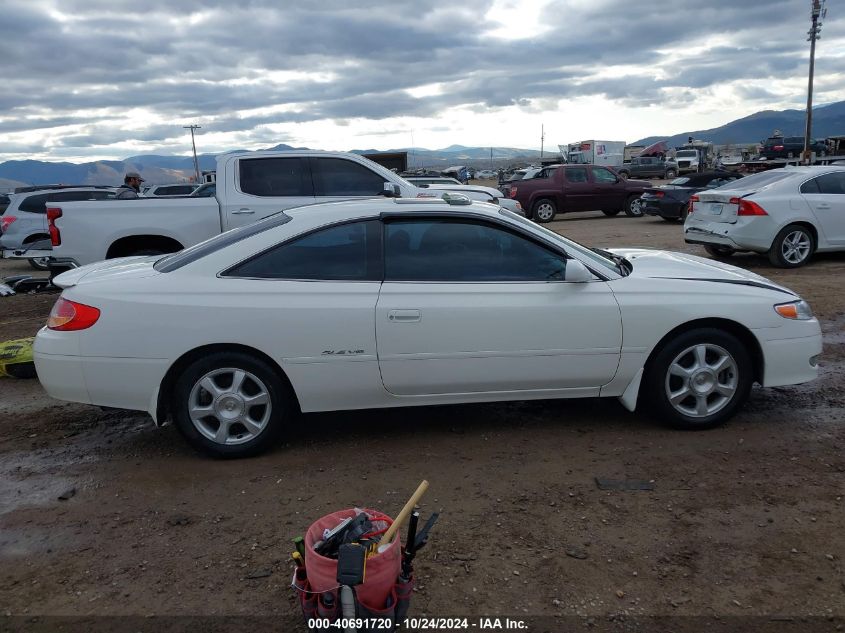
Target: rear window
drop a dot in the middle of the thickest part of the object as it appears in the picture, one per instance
(766, 178)
(34, 204)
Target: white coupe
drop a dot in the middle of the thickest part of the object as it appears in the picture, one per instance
(405, 302)
(789, 213)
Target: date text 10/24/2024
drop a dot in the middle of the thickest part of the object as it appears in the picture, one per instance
(420, 624)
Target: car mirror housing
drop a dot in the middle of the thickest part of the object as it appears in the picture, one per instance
(392, 190)
(577, 272)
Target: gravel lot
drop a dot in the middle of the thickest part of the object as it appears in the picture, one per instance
(745, 520)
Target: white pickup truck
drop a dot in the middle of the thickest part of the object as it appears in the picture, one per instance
(250, 186)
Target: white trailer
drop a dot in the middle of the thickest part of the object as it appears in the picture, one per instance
(593, 152)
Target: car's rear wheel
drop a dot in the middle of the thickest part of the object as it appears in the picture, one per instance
(544, 210)
(699, 379)
(671, 173)
(719, 252)
(611, 212)
(228, 404)
(634, 207)
(670, 219)
(623, 174)
(792, 247)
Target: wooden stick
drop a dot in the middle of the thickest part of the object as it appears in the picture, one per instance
(400, 518)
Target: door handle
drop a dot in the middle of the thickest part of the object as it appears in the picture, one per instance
(242, 211)
(822, 205)
(404, 316)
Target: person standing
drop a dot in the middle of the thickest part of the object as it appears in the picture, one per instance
(131, 186)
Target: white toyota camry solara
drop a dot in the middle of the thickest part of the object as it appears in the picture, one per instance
(405, 302)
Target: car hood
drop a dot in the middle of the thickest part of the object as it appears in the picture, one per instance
(656, 264)
(110, 269)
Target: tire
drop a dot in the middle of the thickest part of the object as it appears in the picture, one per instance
(623, 174)
(670, 219)
(544, 210)
(633, 207)
(670, 173)
(230, 427)
(699, 379)
(792, 247)
(39, 263)
(719, 252)
(611, 212)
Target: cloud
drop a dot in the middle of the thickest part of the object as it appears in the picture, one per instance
(87, 74)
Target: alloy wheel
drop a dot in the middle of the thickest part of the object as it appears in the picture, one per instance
(229, 406)
(796, 247)
(544, 212)
(701, 380)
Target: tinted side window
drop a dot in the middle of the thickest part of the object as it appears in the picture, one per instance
(35, 204)
(452, 250)
(831, 183)
(175, 190)
(349, 252)
(340, 177)
(811, 186)
(603, 175)
(274, 177)
(576, 174)
(70, 196)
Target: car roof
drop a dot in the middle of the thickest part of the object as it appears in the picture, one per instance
(374, 207)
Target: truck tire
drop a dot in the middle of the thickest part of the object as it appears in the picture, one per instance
(670, 173)
(623, 174)
(633, 208)
(544, 210)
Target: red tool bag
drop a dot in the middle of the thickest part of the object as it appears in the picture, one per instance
(382, 594)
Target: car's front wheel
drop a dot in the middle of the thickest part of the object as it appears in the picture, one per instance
(611, 212)
(544, 210)
(792, 247)
(39, 263)
(228, 404)
(634, 206)
(699, 379)
(671, 173)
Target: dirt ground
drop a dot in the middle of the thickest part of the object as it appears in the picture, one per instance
(744, 520)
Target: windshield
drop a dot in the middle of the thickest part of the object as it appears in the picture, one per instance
(604, 263)
(680, 181)
(765, 178)
(687, 153)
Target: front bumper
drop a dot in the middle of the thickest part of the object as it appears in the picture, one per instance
(792, 361)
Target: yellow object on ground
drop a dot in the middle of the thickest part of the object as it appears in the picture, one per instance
(16, 358)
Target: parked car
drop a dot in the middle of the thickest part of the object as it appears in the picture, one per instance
(649, 167)
(485, 174)
(566, 188)
(205, 190)
(416, 305)
(788, 213)
(166, 191)
(482, 194)
(25, 222)
(506, 180)
(790, 147)
(671, 202)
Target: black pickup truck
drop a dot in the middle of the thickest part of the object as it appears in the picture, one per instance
(649, 167)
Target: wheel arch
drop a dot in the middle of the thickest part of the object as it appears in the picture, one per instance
(132, 243)
(804, 223)
(741, 332)
(35, 237)
(165, 391)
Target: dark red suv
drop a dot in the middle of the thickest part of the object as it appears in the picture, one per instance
(577, 188)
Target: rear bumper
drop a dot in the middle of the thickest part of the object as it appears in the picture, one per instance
(663, 210)
(747, 234)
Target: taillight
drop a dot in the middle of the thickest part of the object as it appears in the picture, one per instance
(692, 200)
(55, 235)
(778, 148)
(512, 192)
(658, 194)
(68, 316)
(5, 221)
(748, 207)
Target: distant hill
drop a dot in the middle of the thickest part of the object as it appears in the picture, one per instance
(828, 120)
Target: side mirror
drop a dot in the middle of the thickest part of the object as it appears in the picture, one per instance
(577, 272)
(391, 190)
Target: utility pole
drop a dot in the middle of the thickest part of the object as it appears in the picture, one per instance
(542, 138)
(194, 145)
(817, 11)
(491, 158)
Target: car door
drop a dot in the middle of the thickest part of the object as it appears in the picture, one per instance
(826, 196)
(470, 306)
(260, 186)
(609, 189)
(577, 188)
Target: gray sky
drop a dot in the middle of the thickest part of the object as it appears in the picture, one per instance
(94, 79)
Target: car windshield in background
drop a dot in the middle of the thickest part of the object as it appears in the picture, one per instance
(765, 178)
(679, 182)
(198, 251)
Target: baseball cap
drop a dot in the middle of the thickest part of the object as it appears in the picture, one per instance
(134, 174)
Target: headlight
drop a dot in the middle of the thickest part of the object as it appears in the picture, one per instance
(799, 310)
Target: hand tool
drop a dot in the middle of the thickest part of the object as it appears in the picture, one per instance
(297, 558)
(387, 537)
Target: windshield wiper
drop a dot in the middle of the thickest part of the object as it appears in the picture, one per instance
(623, 265)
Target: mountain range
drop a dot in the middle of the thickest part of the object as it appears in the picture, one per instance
(828, 120)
